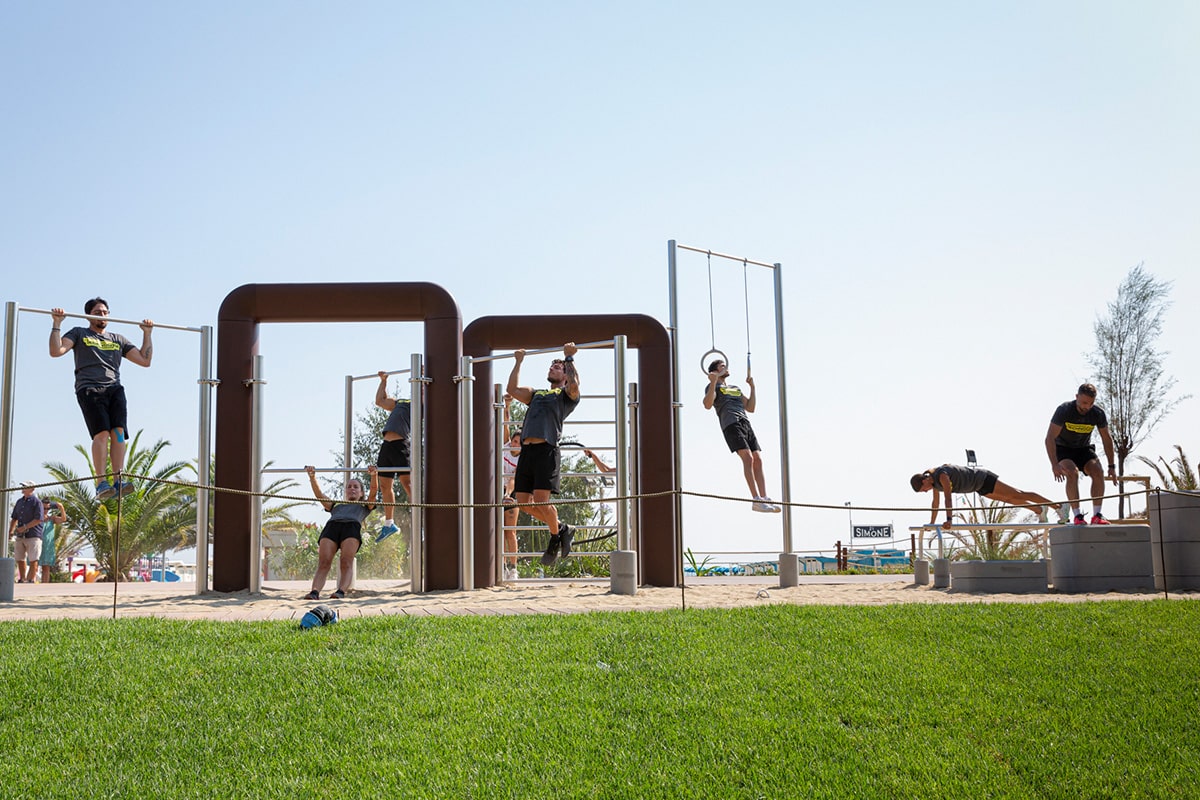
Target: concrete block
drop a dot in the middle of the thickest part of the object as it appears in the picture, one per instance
(622, 570)
(1101, 558)
(941, 573)
(1001, 577)
(1175, 540)
(789, 570)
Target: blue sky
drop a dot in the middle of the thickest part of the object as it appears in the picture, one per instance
(954, 191)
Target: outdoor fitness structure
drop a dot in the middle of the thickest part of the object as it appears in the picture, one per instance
(459, 421)
(446, 343)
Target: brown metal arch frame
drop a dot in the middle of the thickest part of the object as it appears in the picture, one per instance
(237, 345)
(657, 556)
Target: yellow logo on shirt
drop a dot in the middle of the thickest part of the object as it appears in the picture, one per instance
(537, 392)
(730, 391)
(1078, 427)
(100, 344)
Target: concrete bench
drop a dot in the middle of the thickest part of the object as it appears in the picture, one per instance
(1101, 558)
(1000, 577)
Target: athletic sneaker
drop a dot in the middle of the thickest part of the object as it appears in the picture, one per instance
(125, 488)
(771, 507)
(1098, 519)
(1043, 515)
(551, 554)
(104, 490)
(386, 531)
(511, 574)
(339, 594)
(759, 505)
(566, 535)
(313, 595)
(1080, 519)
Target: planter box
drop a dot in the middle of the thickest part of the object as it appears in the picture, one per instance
(1101, 558)
(1177, 541)
(999, 577)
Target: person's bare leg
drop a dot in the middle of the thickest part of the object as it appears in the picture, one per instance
(325, 551)
(759, 480)
(547, 513)
(387, 495)
(510, 537)
(1015, 497)
(1072, 474)
(346, 564)
(748, 472)
(1097, 475)
(100, 455)
(116, 451)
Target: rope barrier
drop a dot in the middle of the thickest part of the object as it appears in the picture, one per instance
(196, 485)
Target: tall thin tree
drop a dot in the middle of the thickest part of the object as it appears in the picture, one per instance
(1128, 365)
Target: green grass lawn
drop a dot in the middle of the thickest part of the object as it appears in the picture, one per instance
(1029, 700)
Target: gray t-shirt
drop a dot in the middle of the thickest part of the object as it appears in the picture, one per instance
(729, 404)
(400, 420)
(963, 480)
(349, 512)
(547, 410)
(97, 357)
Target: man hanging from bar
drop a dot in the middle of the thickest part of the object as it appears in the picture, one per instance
(537, 475)
(98, 388)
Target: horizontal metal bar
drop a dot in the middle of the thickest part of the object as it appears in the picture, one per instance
(334, 469)
(111, 319)
(724, 255)
(999, 526)
(375, 375)
(585, 346)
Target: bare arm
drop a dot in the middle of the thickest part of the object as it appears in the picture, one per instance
(144, 354)
(58, 345)
(1052, 451)
(326, 503)
(381, 396)
(1109, 451)
(600, 465)
(569, 351)
(710, 395)
(944, 485)
(750, 400)
(522, 393)
(373, 491)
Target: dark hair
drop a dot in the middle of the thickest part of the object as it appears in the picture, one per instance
(916, 480)
(1088, 389)
(90, 304)
(712, 367)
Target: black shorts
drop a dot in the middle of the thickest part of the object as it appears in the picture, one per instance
(537, 468)
(103, 409)
(394, 453)
(1081, 456)
(740, 436)
(339, 530)
(989, 483)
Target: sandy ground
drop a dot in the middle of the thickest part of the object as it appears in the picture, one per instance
(283, 600)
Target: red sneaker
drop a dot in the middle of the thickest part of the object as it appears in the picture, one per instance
(1080, 519)
(1098, 519)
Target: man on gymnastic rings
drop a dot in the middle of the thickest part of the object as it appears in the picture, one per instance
(732, 411)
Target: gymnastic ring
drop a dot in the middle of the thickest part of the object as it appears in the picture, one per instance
(704, 359)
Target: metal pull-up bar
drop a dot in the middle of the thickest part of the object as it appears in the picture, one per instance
(113, 319)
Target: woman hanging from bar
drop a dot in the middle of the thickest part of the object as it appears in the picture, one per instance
(342, 532)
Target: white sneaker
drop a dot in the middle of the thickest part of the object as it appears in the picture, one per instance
(759, 505)
(511, 574)
(771, 507)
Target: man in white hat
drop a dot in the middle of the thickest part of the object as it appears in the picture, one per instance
(26, 527)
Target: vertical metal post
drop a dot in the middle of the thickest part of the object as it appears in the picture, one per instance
(466, 493)
(622, 420)
(785, 472)
(416, 549)
(635, 481)
(203, 461)
(256, 436)
(676, 407)
(348, 435)
(6, 417)
(502, 436)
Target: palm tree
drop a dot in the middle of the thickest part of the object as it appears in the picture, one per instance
(154, 517)
(1176, 474)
